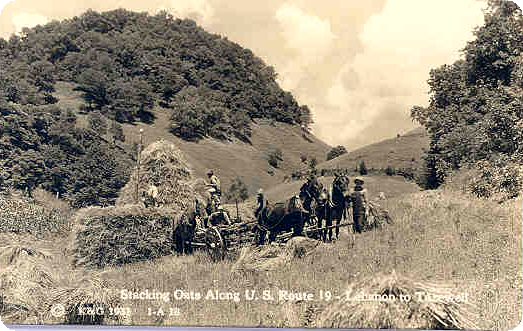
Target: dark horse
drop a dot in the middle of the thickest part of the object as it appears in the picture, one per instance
(309, 195)
(317, 202)
(183, 232)
(282, 216)
(340, 201)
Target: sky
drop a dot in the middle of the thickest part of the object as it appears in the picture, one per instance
(360, 66)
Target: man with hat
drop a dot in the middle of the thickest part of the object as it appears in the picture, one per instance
(214, 190)
(259, 199)
(359, 204)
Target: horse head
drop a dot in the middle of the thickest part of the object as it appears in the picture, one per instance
(340, 185)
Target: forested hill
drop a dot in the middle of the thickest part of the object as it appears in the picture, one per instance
(73, 95)
(125, 63)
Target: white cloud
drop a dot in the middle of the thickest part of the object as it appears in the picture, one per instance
(25, 20)
(3, 3)
(308, 36)
(198, 10)
(400, 46)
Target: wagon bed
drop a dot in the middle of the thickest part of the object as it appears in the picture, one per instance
(219, 239)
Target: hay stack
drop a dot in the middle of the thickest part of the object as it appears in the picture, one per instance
(89, 303)
(274, 256)
(362, 312)
(378, 216)
(25, 281)
(162, 164)
(121, 234)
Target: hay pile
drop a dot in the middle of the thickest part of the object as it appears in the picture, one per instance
(363, 312)
(25, 280)
(378, 216)
(90, 302)
(274, 256)
(121, 234)
(162, 164)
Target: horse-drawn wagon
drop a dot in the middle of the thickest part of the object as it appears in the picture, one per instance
(305, 215)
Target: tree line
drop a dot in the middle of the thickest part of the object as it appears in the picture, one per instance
(474, 117)
(125, 63)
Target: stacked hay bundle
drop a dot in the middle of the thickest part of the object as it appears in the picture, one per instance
(121, 234)
(371, 304)
(163, 165)
(378, 216)
(274, 257)
(128, 232)
(90, 302)
(25, 281)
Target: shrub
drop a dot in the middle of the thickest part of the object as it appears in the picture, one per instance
(237, 191)
(29, 216)
(275, 157)
(362, 168)
(335, 152)
(390, 171)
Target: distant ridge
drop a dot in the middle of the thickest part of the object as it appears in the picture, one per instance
(404, 151)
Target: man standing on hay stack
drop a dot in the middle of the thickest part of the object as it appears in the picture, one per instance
(214, 190)
(358, 198)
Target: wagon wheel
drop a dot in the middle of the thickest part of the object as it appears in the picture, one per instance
(215, 244)
(313, 224)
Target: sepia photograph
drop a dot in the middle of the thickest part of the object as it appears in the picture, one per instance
(261, 164)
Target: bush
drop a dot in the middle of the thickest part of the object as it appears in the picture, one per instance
(275, 157)
(363, 169)
(29, 216)
(237, 191)
(335, 152)
(390, 171)
(499, 179)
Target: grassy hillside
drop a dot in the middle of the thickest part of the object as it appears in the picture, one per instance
(228, 159)
(470, 245)
(401, 152)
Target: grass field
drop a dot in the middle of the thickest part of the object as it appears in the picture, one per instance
(469, 244)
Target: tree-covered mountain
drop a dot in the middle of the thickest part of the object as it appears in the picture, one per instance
(121, 71)
(126, 62)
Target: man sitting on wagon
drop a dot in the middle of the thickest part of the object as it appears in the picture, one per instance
(217, 214)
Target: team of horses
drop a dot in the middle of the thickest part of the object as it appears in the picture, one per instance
(313, 206)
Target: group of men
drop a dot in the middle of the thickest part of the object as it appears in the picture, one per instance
(358, 198)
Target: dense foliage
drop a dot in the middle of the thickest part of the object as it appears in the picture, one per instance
(475, 115)
(238, 191)
(336, 151)
(40, 146)
(362, 168)
(126, 62)
(275, 157)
